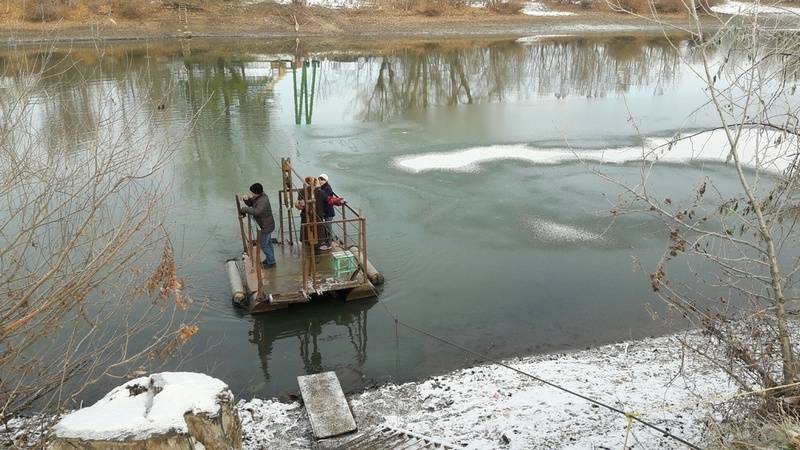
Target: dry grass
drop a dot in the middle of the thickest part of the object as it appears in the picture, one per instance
(436, 8)
(756, 428)
(446, 8)
(509, 7)
(45, 10)
(660, 6)
(129, 9)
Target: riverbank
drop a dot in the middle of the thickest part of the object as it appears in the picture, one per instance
(272, 20)
(491, 406)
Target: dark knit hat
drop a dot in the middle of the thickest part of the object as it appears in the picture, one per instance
(257, 189)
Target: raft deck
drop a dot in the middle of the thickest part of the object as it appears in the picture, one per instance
(302, 271)
(283, 283)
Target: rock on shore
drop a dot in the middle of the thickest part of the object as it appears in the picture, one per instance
(170, 410)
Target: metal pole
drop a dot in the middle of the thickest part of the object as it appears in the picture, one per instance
(241, 224)
(280, 212)
(249, 237)
(363, 242)
(310, 109)
(260, 292)
(303, 245)
(344, 226)
(297, 104)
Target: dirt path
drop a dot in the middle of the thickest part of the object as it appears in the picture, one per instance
(274, 21)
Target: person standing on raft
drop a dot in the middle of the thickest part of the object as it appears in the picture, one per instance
(259, 207)
(329, 199)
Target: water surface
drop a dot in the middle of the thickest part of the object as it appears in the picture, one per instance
(510, 258)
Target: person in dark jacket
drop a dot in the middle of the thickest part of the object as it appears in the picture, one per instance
(329, 199)
(259, 207)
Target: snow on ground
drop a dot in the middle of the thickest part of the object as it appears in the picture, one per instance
(769, 150)
(532, 8)
(737, 7)
(145, 406)
(493, 407)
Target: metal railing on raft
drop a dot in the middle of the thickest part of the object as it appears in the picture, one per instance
(307, 233)
(250, 246)
(348, 231)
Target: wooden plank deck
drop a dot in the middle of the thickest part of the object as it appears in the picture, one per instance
(326, 405)
(285, 280)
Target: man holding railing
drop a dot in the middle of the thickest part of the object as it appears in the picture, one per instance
(329, 200)
(259, 207)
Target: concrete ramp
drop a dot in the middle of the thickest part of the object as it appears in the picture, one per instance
(325, 404)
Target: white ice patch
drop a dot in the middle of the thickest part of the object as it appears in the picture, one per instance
(540, 9)
(545, 230)
(769, 151)
(747, 8)
(121, 415)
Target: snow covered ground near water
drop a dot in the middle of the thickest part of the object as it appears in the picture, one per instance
(122, 415)
(493, 407)
(770, 8)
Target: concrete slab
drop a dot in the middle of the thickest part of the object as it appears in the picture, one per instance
(326, 405)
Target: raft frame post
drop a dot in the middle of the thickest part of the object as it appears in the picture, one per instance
(363, 239)
(344, 226)
(241, 223)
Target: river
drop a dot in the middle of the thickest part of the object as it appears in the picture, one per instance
(507, 257)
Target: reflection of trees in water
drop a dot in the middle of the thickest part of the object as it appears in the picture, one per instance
(307, 323)
(304, 92)
(394, 84)
(76, 91)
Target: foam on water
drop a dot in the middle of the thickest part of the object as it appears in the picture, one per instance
(545, 230)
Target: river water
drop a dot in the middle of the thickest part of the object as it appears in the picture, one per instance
(506, 257)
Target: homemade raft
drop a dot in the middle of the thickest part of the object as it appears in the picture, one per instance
(302, 272)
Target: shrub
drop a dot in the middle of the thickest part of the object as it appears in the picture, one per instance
(509, 7)
(430, 9)
(669, 6)
(705, 5)
(128, 9)
(44, 10)
(634, 6)
(646, 6)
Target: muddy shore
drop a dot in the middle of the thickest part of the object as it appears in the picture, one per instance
(276, 21)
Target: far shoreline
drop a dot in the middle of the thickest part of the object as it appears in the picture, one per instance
(349, 29)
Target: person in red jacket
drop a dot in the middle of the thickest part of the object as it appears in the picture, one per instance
(329, 200)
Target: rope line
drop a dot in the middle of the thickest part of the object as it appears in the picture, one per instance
(629, 417)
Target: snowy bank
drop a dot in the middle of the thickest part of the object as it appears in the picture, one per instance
(540, 9)
(160, 407)
(769, 150)
(493, 407)
(751, 8)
